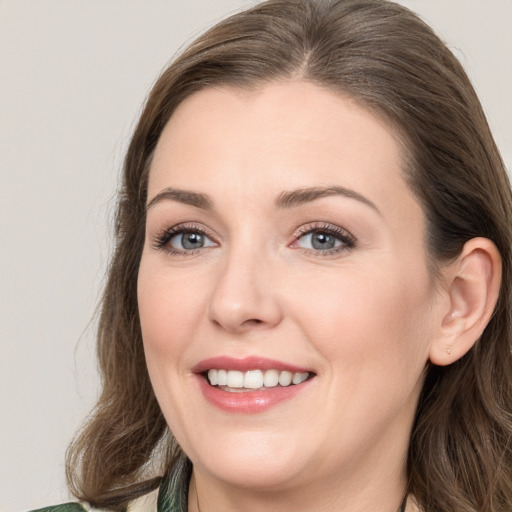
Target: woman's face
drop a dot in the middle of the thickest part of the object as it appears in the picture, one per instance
(282, 242)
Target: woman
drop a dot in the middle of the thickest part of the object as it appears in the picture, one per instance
(308, 307)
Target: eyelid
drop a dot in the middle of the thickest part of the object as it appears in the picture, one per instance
(162, 238)
(348, 240)
(160, 241)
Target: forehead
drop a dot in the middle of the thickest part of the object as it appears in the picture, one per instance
(282, 136)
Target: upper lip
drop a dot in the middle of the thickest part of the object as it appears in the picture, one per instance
(245, 364)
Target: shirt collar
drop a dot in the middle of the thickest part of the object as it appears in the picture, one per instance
(173, 491)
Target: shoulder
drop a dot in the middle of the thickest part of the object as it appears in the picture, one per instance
(147, 503)
(170, 496)
(65, 507)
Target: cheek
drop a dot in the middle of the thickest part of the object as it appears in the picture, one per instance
(169, 309)
(377, 319)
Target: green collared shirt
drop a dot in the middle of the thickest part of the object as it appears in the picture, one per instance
(171, 496)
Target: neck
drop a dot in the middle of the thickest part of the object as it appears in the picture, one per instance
(371, 477)
(209, 495)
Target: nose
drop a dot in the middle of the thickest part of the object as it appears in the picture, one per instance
(245, 296)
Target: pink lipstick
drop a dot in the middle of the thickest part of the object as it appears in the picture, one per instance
(250, 385)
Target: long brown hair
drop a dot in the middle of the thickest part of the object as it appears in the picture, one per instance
(385, 57)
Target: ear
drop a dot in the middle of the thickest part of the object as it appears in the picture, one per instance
(472, 284)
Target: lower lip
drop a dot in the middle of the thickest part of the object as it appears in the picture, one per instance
(249, 402)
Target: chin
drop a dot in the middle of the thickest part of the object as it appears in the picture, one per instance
(251, 461)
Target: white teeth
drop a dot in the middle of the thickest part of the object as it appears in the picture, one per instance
(271, 378)
(212, 377)
(285, 378)
(222, 377)
(255, 379)
(299, 377)
(235, 379)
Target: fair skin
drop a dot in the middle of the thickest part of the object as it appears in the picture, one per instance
(335, 284)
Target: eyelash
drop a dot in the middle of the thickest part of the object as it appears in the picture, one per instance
(348, 241)
(162, 240)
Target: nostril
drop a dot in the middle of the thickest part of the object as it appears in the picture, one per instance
(253, 322)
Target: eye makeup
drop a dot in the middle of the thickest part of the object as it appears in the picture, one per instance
(199, 235)
(335, 239)
(313, 239)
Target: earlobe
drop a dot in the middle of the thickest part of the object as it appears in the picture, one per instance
(472, 284)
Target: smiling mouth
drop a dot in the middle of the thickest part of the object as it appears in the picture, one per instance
(237, 381)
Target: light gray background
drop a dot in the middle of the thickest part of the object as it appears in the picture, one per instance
(73, 75)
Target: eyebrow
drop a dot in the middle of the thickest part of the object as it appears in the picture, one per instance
(182, 196)
(288, 199)
(306, 195)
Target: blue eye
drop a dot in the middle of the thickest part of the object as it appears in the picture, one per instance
(324, 239)
(319, 240)
(183, 240)
(189, 240)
